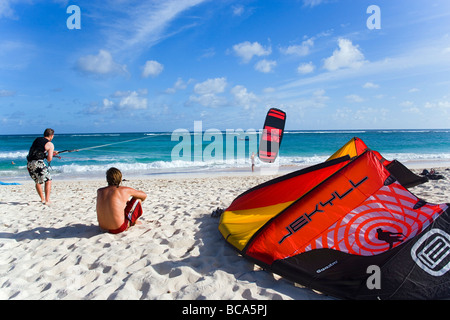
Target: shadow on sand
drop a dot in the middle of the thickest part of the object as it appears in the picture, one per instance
(42, 233)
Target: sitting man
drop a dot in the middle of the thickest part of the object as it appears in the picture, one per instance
(118, 207)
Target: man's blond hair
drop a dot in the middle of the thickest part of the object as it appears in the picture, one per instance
(113, 177)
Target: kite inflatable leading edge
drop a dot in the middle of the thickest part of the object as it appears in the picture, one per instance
(406, 177)
(325, 226)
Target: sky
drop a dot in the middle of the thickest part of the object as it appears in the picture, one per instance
(152, 66)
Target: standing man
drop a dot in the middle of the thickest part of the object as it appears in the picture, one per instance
(42, 148)
(253, 161)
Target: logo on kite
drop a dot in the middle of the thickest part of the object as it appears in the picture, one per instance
(432, 252)
(390, 237)
(305, 218)
(273, 129)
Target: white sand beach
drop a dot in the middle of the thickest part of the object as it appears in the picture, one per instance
(59, 252)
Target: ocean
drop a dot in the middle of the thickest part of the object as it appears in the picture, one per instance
(183, 152)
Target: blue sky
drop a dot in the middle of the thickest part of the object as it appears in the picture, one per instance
(161, 65)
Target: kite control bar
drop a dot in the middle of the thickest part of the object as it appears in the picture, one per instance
(58, 152)
(74, 150)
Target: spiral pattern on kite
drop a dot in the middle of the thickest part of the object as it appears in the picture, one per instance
(383, 221)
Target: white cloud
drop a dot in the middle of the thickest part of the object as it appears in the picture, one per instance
(238, 10)
(107, 104)
(120, 94)
(208, 100)
(354, 98)
(414, 110)
(7, 93)
(370, 85)
(247, 50)
(144, 23)
(243, 98)
(152, 68)
(265, 66)
(207, 93)
(180, 84)
(120, 101)
(312, 3)
(94, 108)
(16, 55)
(411, 63)
(216, 85)
(306, 68)
(367, 117)
(212, 93)
(406, 104)
(308, 100)
(133, 101)
(208, 53)
(319, 99)
(442, 104)
(5, 9)
(342, 114)
(299, 50)
(100, 64)
(347, 56)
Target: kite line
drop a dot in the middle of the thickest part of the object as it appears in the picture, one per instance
(103, 145)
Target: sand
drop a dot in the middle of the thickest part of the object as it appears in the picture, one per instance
(177, 253)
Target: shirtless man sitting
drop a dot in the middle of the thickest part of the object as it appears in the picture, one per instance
(118, 207)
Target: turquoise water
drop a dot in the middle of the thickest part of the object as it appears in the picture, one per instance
(162, 153)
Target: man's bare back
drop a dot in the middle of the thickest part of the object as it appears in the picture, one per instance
(111, 202)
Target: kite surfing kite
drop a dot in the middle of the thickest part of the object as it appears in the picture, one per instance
(327, 226)
(272, 135)
(406, 177)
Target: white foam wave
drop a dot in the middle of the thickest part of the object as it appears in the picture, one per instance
(98, 168)
(159, 134)
(13, 155)
(417, 156)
